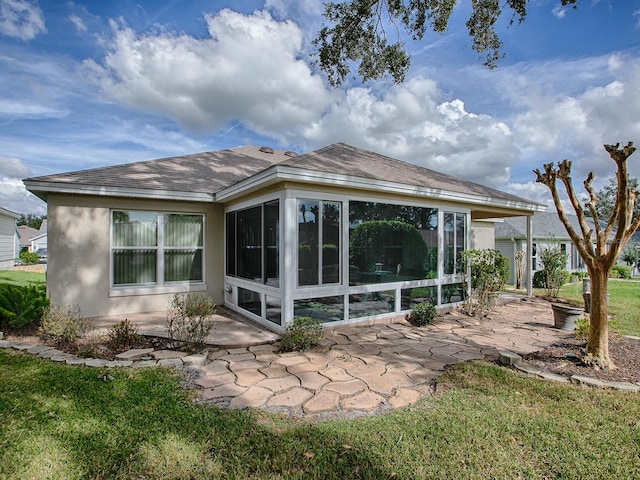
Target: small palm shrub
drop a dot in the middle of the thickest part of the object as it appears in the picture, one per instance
(302, 334)
(189, 319)
(63, 325)
(422, 314)
(22, 305)
(123, 335)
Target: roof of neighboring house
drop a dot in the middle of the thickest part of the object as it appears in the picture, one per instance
(220, 175)
(9, 213)
(26, 234)
(544, 225)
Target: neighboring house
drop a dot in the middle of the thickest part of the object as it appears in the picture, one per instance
(8, 239)
(26, 234)
(511, 236)
(39, 241)
(341, 234)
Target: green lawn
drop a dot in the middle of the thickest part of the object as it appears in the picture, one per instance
(59, 421)
(624, 303)
(17, 277)
(77, 422)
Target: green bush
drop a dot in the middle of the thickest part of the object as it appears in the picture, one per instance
(29, 258)
(422, 314)
(22, 305)
(620, 271)
(63, 325)
(540, 278)
(302, 334)
(189, 319)
(123, 335)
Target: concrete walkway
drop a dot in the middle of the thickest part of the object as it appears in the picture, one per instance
(230, 329)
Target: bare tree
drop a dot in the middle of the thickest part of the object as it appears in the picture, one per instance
(598, 258)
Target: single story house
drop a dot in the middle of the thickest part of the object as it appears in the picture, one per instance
(25, 234)
(9, 243)
(341, 234)
(39, 241)
(511, 236)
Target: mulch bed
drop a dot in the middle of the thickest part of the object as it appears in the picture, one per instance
(565, 358)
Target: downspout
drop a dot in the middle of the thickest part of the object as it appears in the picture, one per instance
(529, 255)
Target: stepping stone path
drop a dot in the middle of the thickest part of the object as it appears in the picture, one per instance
(357, 369)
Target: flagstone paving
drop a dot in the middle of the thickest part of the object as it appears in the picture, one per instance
(356, 369)
(364, 369)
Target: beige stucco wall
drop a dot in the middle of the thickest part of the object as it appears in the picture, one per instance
(78, 253)
(482, 235)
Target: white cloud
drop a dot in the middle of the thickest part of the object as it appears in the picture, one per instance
(13, 109)
(13, 168)
(15, 197)
(415, 123)
(78, 23)
(559, 11)
(575, 126)
(13, 194)
(21, 19)
(248, 70)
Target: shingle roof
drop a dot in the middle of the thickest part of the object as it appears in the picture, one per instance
(211, 172)
(343, 159)
(206, 172)
(544, 225)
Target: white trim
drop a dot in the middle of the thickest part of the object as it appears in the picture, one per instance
(132, 291)
(278, 173)
(102, 191)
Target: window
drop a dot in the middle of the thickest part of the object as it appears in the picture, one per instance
(319, 250)
(454, 242)
(151, 248)
(392, 243)
(253, 243)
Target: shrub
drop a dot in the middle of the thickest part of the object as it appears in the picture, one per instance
(22, 305)
(582, 327)
(189, 319)
(302, 334)
(540, 279)
(123, 335)
(29, 258)
(489, 273)
(422, 314)
(553, 261)
(620, 271)
(63, 325)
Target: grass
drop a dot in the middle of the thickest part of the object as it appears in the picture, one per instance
(21, 278)
(624, 303)
(66, 422)
(77, 422)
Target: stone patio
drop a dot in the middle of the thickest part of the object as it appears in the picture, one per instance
(356, 370)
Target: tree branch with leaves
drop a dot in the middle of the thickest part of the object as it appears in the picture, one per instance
(354, 36)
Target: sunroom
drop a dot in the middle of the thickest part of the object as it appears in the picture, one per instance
(320, 242)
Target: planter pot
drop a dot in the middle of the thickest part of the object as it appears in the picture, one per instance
(565, 316)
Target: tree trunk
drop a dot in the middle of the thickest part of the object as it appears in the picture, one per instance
(598, 343)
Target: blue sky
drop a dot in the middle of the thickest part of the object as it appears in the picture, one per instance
(85, 84)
